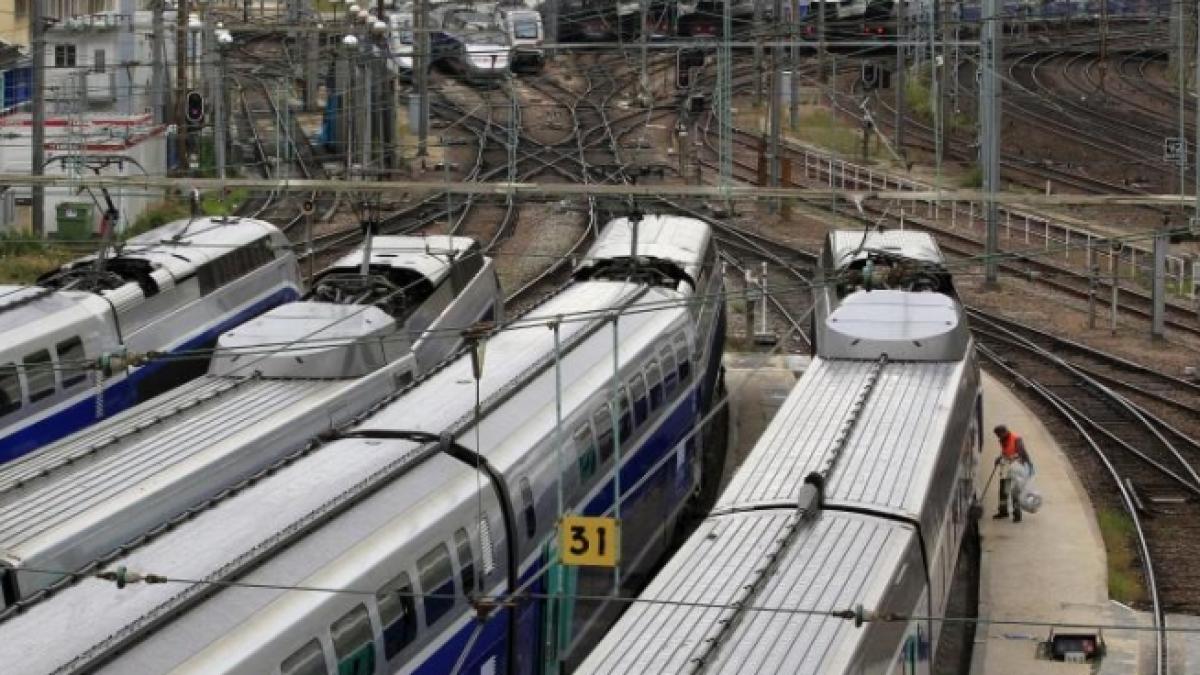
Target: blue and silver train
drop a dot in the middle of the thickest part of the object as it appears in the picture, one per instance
(435, 515)
(855, 502)
(167, 292)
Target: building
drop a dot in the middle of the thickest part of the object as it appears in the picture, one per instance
(14, 21)
(104, 61)
(83, 145)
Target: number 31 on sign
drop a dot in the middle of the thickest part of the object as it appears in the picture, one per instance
(591, 541)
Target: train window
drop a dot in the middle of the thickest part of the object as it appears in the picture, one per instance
(602, 420)
(10, 389)
(353, 642)
(39, 375)
(637, 394)
(233, 264)
(71, 360)
(670, 376)
(587, 453)
(625, 421)
(466, 561)
(530, 512)
(308, 660)
(683, 357)
(654, 381)
(398, 613)
(437, 582)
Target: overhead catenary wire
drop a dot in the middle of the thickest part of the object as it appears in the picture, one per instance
(123, 577)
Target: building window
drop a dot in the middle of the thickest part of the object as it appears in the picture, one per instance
(64, 56)
(22, 10)
(98, 61)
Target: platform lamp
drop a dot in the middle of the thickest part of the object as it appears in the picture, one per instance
(195, 25)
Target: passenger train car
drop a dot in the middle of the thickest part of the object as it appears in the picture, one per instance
(274, 383)
(440, 499)
(169, 291)
(470, 43)
(857, 494)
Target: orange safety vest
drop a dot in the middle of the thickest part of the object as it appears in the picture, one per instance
(1008, 446)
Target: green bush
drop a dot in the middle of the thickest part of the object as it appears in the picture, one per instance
(972, 178)
(1124, 579)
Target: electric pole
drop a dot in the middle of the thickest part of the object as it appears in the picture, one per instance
(158, 68)
(181, 59)
(37, 139)
(898, 80)
(989, 142)
(421, 61)
(794, 69)
(820, 41)
(776, 93)
(758, 52)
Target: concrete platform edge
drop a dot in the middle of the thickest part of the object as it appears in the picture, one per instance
(983, 612)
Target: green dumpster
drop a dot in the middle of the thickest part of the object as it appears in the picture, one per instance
(75, 220)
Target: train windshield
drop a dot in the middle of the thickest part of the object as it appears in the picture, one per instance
(525, 29)
(491, 39)
(882, 269)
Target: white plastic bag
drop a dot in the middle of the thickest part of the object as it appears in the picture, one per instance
(1031, 499)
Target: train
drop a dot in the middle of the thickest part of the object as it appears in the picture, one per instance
(833, 547)
(168, 292)
(470, 43)
(441, 499)
(273, 383)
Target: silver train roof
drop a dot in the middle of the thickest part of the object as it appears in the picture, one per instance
(889, 459)
(428, 255)
(680, 239)
(840, 560)
(846, 245)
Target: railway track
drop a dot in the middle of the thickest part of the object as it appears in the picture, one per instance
(1030, 263)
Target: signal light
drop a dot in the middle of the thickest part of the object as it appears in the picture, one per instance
(195, 107)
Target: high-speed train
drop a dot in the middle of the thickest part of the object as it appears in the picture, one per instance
(274, 383)
(169, 291)
(441, 499)
(858, 493)
(470, 42)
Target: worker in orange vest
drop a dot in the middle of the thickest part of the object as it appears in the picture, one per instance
(1015, 470)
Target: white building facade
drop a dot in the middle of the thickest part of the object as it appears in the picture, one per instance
(105, 61)
(83, 146)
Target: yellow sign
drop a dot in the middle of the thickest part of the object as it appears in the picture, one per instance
(586, 540)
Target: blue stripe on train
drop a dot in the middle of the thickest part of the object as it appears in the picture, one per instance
(490, 641)
(123, 393)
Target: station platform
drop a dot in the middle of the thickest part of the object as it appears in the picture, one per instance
(757, 385)
(1050, 567)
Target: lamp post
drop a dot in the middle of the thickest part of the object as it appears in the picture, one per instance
(224, 40)
(195, 25)
(350, 46)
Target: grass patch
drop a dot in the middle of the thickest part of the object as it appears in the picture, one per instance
(156, 216)
(23, 260)
(917, 94)
(972, 178)
(1124, 577)
(213, 205)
